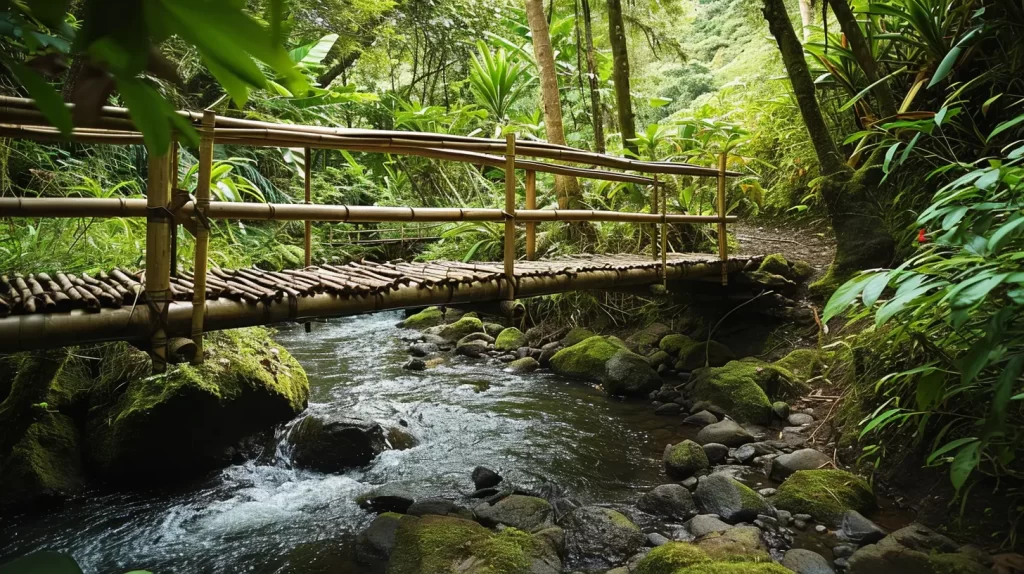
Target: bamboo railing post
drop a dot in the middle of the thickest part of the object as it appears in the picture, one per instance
(654, 226)
(158, 255)
(202, 232)
(531, 203)
(510, 215)
(664, 238)
(174, 225)
(723, 246)
(307, 183)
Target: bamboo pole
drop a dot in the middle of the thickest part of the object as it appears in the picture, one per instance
(174, 225)
(654, 227)
(510, 215)
(664, 240)
(307, 183)
(158, 252)
(202, 233)
(723, 244)
(531, 203)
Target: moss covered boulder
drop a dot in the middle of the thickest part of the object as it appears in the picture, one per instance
(825, 494)
(334, 442)
(459, 329)
(647, 339)
(690, 354)
(687, 558)
(600, 538)
(668, 558)
(730, 499)
(444, 545)
(188, 419)
(510, 339)
(685, 459)
(576, 335)
(429, 317)
(734, 388)
(802, 363)
(618, 370)
(45, 464)
(775, 263)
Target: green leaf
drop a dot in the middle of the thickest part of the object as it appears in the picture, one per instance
(949, 447)
(843, 296)
(1005, 126)
(964, 463)
(146, 108)
(880, 419)
(46, 97)
(1004, 234)
(313, 54)
(975, 360)
(990, 178)
(1001, 397)
(873, 289)
(659, 102)
(929, 390)
(945, 66)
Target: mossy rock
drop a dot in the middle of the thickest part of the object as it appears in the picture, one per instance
(45, 463)
(618, 370)
(185, 420)
(674, 343)
(459, 329)
(577, 335)
(775, 263)
(802, 271)
(735, 568)
(429, 317)
(734, 388)
(493, 329)
(647, 339)
(510, 339)
(685, 459)
(444, 545)
(670, 557)
(804, 363)
(825, 494)
(691, 354)
(735, 544)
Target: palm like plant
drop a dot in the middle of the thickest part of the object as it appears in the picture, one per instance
(497, 80)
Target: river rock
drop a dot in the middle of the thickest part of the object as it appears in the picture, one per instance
(669, 500)
(725, 432)
(667, 409)
(730, 499)
(524, 365)
(375, 544)
(576, 335)
(646, 340)
(803, 459)
(527, 513)
(600, 538)
(799, 419)
(804, 561)
(510, 339)
(439, 507)
(685, 459)
(45, 463)
(857, 529)
(400, 439)
(475, 337)
(701, 419)
(742, 388)
(914, 549)
(493, 329)
(736, 541)
(387, 498)
(334, 442)
(429, 317)
(183, 422)
(472, 349)
(598, 359)
(780, 409)
(415, 364)
(461, 328)
(546, 553)
(484, 477)
(716, 452)
(423, 349)
(704, 524)
(824, 494)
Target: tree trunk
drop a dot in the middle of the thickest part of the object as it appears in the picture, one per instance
(865, 58)
(620, 74)
(595, 93)
(567, 189)
(807, 17)
(862, 239)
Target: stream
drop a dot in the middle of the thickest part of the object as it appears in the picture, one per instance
(539, 431)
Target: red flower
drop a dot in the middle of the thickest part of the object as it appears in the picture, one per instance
(921, 238)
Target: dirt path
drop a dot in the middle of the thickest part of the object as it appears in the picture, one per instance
(811, 241)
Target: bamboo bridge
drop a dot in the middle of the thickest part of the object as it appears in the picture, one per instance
(167, 310)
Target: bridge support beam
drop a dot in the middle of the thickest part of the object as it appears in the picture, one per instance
(531, 203)
(510, 216)
(158, 255)
(202, 234)
(723, 240)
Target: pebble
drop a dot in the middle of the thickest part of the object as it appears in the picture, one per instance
(667, 409)
(804, 517)
(415, 364)
(716, 452)
(800, 419)
(843, 550)
(820, 529)
(799, 524)
(841, 563)
(690, 483)
(767, 492)
(784, 517)
(655, 539)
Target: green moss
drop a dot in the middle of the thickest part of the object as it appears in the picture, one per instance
(442, 545)
(429, 317)
(734, 387)
(647, 339)
(685, 459)
(775, 263)
(802, 271)
(45, 462)
(620, 520)
(461, 328)
(584, 360)
(668, 558)
(735, 568)
(674, 344)
(824, 494)
(737, 544)
(803, 363)
(510, 339)
(577, 335)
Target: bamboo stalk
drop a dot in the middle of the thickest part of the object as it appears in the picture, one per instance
(158, 255)
(531, 203)
(202, 205)
(664, 240)
(723, 243)
(654, 227)
(174, 225)
(510, 215)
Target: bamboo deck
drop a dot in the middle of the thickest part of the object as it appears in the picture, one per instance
(65, 292)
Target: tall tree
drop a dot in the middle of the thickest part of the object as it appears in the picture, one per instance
(595, 93)
(862, 239)
(567, 189)
(620, 74)
(865, 57)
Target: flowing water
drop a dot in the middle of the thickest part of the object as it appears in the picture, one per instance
(538, 430)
